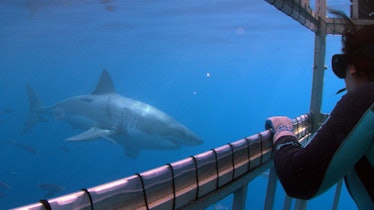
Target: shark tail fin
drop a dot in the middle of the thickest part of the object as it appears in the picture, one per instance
(35, 113)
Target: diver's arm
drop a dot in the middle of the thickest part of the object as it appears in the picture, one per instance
(301, 170)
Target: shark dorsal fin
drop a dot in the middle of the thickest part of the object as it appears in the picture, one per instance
(105, 84)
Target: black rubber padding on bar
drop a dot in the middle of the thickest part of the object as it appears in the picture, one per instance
(298, 14)
(292, 8)
(260, 137)
(297, 127)
(232, 161)
(304, 9)
(143, 187)
(281, 6)
(172, 183)
(216, 157)
(46, 204)
(197, 178)
(249, 155)
(89, 197)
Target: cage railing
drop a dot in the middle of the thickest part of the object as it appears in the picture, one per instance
(195, 182)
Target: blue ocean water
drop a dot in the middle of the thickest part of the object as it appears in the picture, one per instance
(219, 67)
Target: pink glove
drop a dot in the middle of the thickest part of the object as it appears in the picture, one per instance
(280, 126)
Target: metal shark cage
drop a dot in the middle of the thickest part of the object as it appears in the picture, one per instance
(204, 179)
(192, 183)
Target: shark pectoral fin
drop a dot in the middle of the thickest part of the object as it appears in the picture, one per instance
(108, 139)
(131, 150)
(92, 134)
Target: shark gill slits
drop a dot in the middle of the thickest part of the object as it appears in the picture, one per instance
(88, 100)
(108, 108)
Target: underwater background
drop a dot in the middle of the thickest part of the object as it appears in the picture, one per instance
(218, 67)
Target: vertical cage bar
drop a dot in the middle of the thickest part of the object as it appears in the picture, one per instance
(270, 192)
(337, 194)
(240, 197)
(300, 204)
(287, 203)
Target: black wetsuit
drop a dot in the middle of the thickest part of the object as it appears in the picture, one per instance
(301, 170)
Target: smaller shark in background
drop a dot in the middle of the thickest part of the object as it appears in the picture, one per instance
(105, 114)
(50, 189)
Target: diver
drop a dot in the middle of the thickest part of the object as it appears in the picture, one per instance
(343, 146)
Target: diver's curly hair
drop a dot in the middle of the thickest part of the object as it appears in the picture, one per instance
(358, 44)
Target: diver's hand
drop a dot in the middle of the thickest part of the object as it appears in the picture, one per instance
(280, 126)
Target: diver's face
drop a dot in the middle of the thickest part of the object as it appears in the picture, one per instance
(353, 79)
(349, 82)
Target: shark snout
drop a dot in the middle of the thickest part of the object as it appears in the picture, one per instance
(194, 141)
(189, 139)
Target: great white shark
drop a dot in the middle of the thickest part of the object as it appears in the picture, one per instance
(107, 115)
